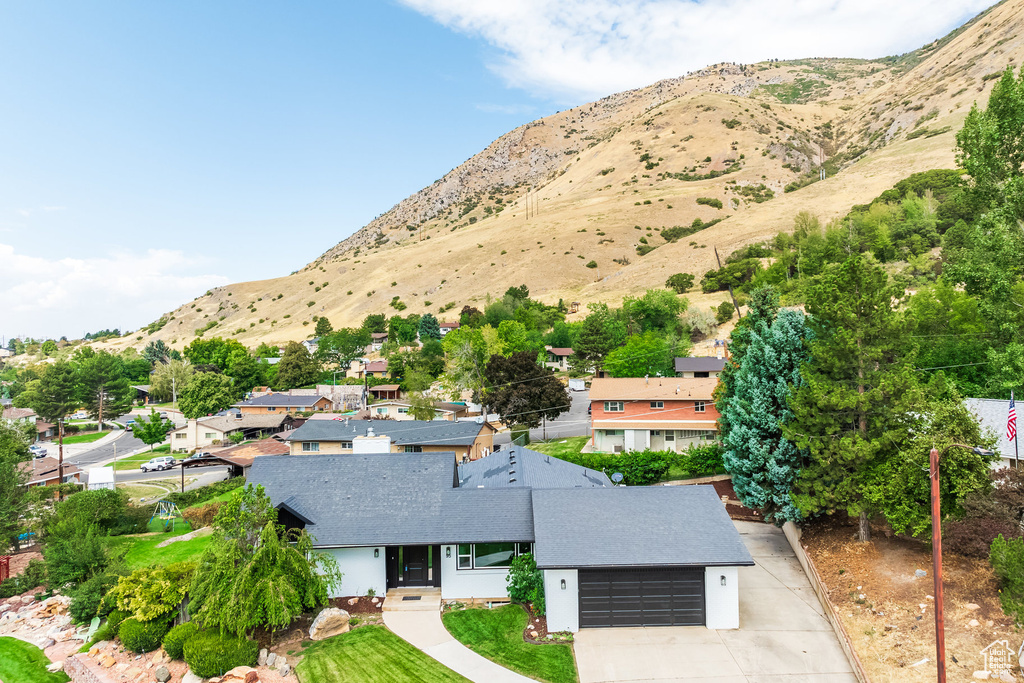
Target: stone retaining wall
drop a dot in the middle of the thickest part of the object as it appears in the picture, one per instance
(793, 534)
(82, 669)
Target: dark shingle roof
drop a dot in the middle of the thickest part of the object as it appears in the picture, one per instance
(403, 432)
(391, 499)
(530, 469)
(279, 400)
(641, 526)
(700, 364)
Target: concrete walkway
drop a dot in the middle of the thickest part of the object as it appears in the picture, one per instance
(783, 636)
(424, 630)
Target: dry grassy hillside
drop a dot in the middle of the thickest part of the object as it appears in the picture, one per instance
(593, 183)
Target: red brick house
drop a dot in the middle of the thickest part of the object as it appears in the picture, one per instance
(660, 413)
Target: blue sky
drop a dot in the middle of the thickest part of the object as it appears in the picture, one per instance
(150, 150)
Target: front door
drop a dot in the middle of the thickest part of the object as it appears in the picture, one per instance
(415, 565)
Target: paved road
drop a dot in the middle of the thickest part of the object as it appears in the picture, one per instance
(575, 422)
(207, 474)
(124, 444)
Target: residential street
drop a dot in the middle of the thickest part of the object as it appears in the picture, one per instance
(575, 422)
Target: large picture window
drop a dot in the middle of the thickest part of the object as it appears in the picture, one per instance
(489, 555)
(614, 406)
(310, 446)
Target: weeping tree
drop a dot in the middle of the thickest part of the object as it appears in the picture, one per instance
(254, 573)
(763, 463)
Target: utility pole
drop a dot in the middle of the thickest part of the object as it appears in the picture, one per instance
(940, 623)
(60, 454)
(174, 393)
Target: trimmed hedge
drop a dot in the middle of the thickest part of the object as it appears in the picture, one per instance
(641, 468)
(142, 636)
(184, 499)
(210, 653)
(174, 641)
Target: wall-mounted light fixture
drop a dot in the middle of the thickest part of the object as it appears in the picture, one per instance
(563, 584)
(376, 552)
(723, 579)
(448, 551)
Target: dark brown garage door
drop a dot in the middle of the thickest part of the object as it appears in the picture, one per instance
(642, 597)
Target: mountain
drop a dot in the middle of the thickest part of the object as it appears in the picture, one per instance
(563, 203)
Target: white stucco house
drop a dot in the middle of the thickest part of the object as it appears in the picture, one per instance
(611, 556)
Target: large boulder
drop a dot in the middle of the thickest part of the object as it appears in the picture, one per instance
(330, 622)
(163, 674)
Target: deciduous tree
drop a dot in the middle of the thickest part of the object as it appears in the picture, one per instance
(643, 355)
(522, 392)
(205, 394)
(297, 368)
(151, 431)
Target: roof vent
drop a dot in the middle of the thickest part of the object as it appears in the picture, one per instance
(512, 480)
(369, 433)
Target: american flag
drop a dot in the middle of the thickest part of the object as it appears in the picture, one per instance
(1011, 421)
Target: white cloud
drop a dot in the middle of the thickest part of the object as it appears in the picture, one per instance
(44, 297)
(591, 48)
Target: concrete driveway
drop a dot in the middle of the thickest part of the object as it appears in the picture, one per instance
(783, 635)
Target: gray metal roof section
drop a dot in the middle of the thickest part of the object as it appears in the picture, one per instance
(402, 432)
(700, 364)
(635, 526)
(391, 499)
(519, 467)
(992, 414)
(281, 400)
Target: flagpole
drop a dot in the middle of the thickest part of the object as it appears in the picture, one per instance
(1016, 452)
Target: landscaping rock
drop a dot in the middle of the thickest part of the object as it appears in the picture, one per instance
(163, 674)
(971, 606)
(54, 667)
(262, 660)
(533, 634)
(190, 677)
(271, 658)
(973, 623)
(1007, 677)
(982, 675)
(330, 622)
(284, 669)
(106, 661)
(920, 573)
(375, 600)
(353, 601)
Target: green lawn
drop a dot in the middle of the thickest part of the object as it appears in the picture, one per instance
(222, 498)
(498, 635)
(370, 654)
(86, 438)
(570, 445)
(132, 462)
(21, 662)
(141, 551)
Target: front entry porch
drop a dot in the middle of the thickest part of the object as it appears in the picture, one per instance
(413, 566)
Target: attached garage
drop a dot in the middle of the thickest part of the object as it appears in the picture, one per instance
(641, 597)
(638, 556)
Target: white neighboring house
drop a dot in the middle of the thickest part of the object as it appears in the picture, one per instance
(100, 478)
(311, 344)
(215, 431)
(396, 520)
(992, 414)
(557, 358)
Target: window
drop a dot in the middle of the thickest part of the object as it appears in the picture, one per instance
(488, 555)
(414, 449)
(614, 407)
(403, 411)
(271, 409)
(656, 405)
(310, 446)
(346, 444)
(698, 406)
(670, 435)
(382, 411)
(702, 374)
(180, 435)
(655, 432)
(209, 435)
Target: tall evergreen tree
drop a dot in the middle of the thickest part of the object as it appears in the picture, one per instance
(103, 387)
(858, 392)
(429, 328)
(53, 395)
(763, 463)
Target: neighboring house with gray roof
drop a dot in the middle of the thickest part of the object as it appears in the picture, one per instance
(992, 414)
(216, 431)
(324, 434)
(700, 366)
(611, 556)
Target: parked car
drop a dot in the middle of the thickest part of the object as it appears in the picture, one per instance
(197, 455)
(129, 425)
(164, 462)
(37, 451)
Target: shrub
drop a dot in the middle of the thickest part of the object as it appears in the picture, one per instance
(154, 593)
(641, 468)
(710, 201)
(209, 653)
(174, 641)
(33, 577)
(592, 264)
(86, 598)
(202, 515)
(141, 636)
(680, 282)
(1007, 559)
(526, 582)
(973, 536)
(114, 620)
(724, 312)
